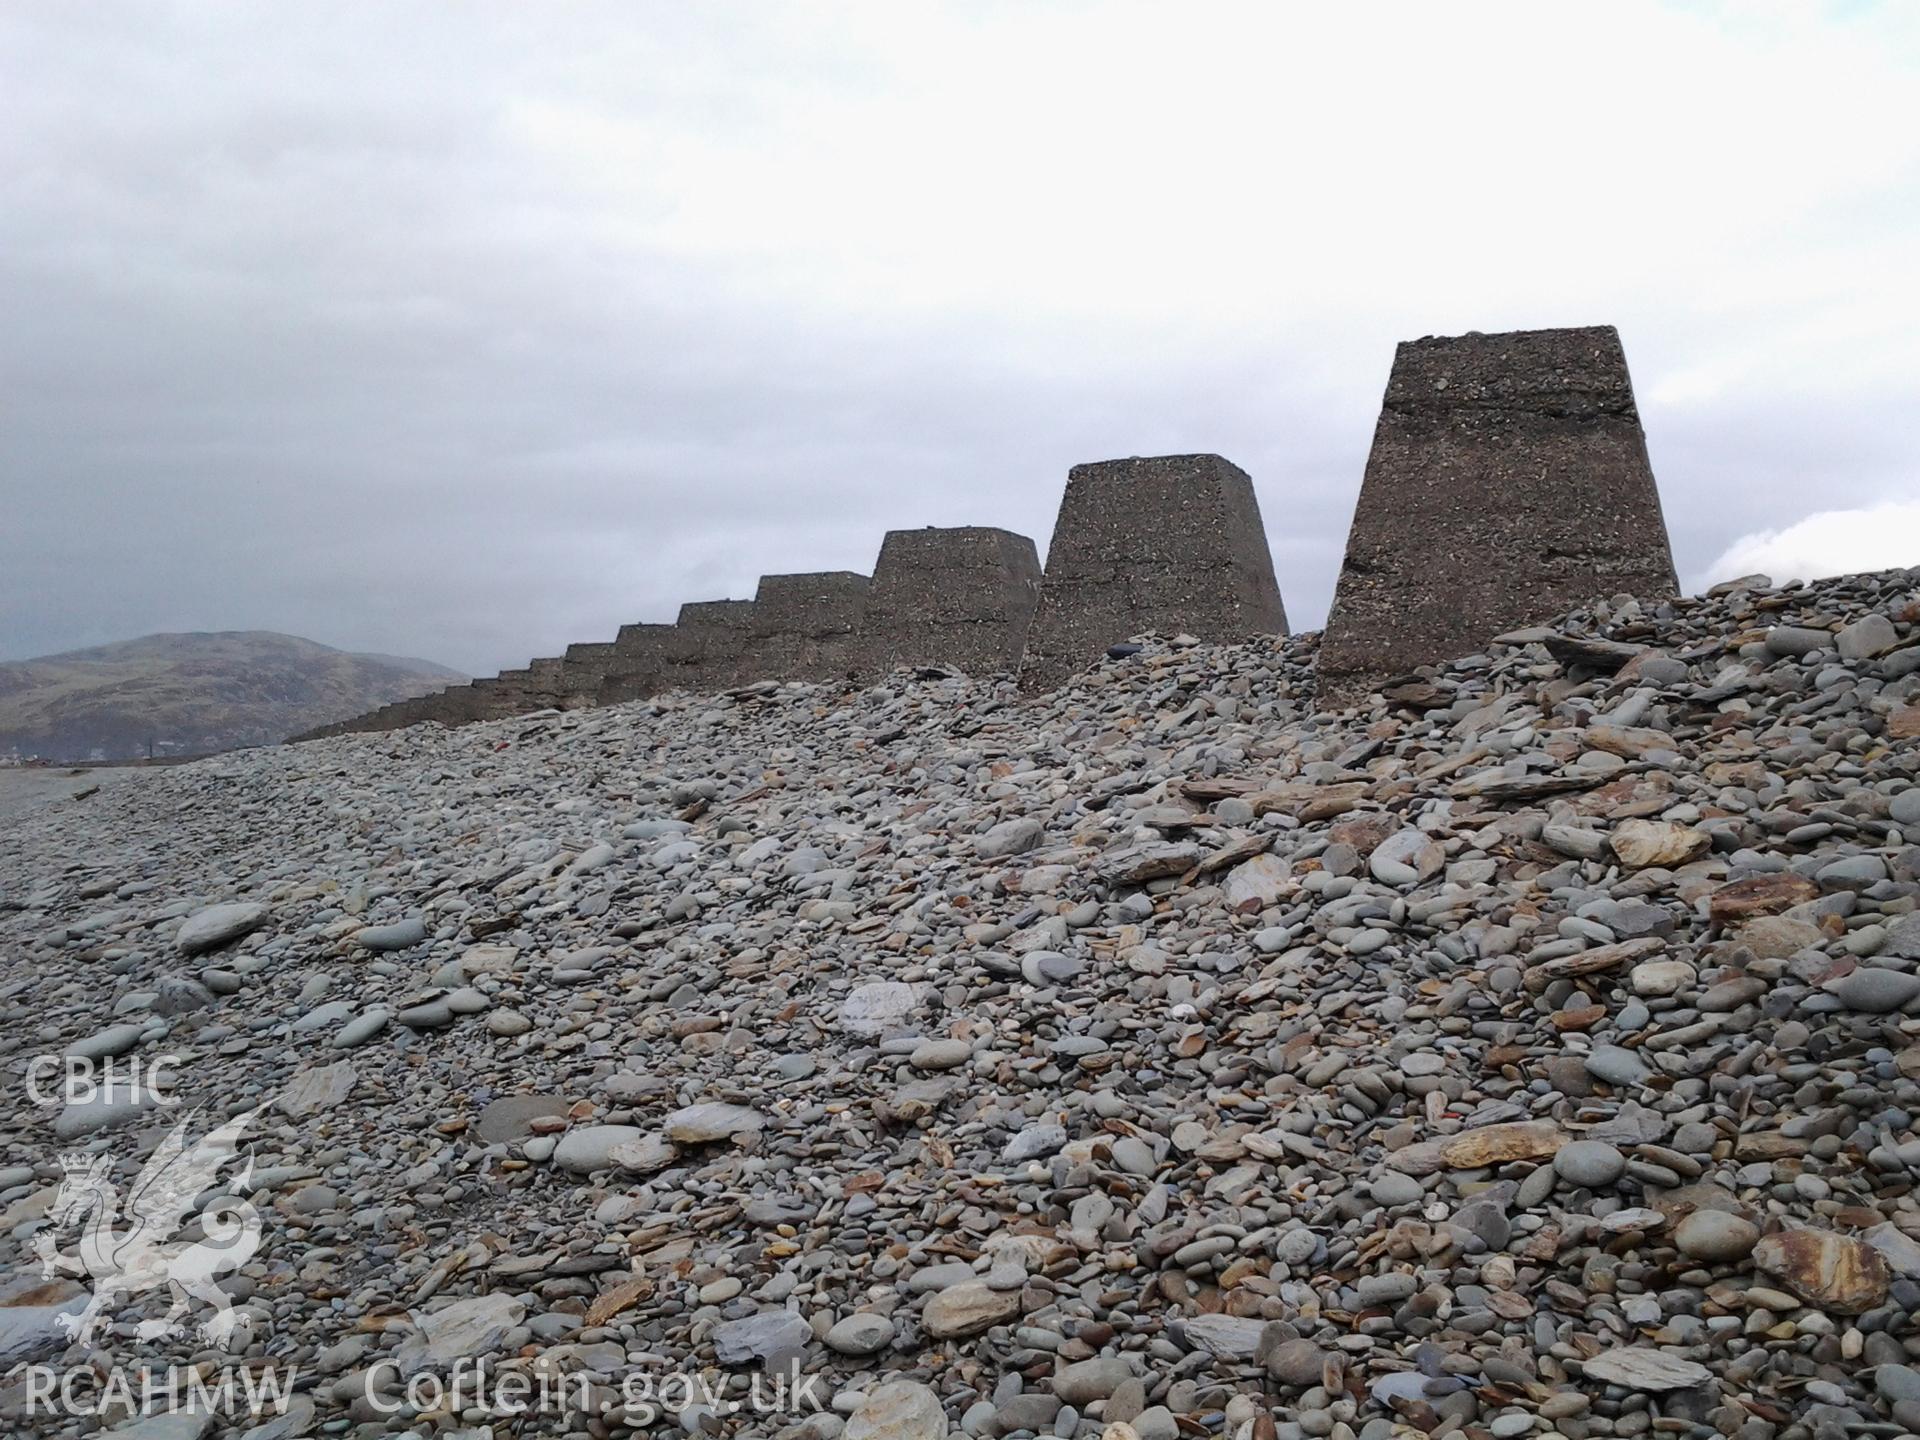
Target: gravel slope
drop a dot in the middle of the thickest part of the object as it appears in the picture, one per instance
(1535, 1052)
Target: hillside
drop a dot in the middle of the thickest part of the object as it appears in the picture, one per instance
(1530, 1050)
(192, 694)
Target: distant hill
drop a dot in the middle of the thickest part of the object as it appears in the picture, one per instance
(192, 694)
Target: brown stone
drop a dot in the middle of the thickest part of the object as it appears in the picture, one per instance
(1770, 1145)
(1760, 895)
(1477, 1149)
(1643, 844)
(1629, 797)
(1592, 962)
(1827, 1270)
(1627, 742)
(1775, 937)
(1305, 801)
(1904, 723)
(1582, 1018)
(1364, 832)
(968, 1309)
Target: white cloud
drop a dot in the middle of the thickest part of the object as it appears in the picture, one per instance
(1829, 542)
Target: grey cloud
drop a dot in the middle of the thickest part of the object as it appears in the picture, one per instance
(305, 333)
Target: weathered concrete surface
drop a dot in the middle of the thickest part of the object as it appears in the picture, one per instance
(489, 702)
(1508, 482)
(515, 692)
(804, 627)
(537, 686)
(583, 671)
(459, 704)
(1167, 543)
(456, 705)
(959, 595)
(709, 639)
(638, 665)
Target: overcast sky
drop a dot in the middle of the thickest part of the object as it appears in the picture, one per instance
(469, 331)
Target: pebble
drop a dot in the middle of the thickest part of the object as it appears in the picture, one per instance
(587, 1148)
(1393, 1189)
(756, 1337)
(940, 1054)
(860, 1334)
(968, 1309)
(1592, 1163)
(401, 935)
(1875, 990)
(1715, 1236)
(218, 925)
(898, 1410)
(1616, 1066)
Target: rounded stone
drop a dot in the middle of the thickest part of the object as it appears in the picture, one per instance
(1593, 1164)
(1391, 1188)
(898, 1410)
(863, 1333)
(216, 925)
(1715, 1236)
(939, 1054)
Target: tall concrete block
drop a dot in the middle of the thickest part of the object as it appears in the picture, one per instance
(1168, 543)
(804, 627)
(637, 667)
(490, 699)
(461, 704)
(960, 596)
(1508, 482)
(547, 682)
(708, 645)
(394, 715)
(514, 692)
(583, 671)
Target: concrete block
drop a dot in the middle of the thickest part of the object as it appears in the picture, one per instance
(960, 596)
(708, 645)
(582, 672)
(460, 704)
(1170, 543)
(1508, 482)
(804, 627)
(637, 667)
(490, 699)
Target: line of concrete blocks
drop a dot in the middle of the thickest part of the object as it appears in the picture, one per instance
(1508, 481)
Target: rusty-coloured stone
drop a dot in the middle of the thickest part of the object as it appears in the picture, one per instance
(1776, 937)
(1827, 1270)
(1309, 802)
(968, 1309)
(1760, 895)
(1628, 741)
(1770, 1145)
(1478, 1149)
(1631, 797)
